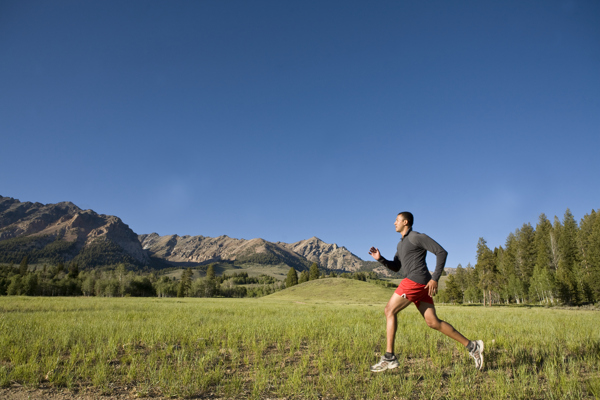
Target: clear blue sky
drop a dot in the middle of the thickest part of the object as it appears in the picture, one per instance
(290, 119)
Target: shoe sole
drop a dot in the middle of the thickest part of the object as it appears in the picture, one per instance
(385, 369)
(480, 343)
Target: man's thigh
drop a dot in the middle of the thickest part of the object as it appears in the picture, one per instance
(397, 303)
(428, 312)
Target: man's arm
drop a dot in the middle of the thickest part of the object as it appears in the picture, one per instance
(433, 247)
(393, 265)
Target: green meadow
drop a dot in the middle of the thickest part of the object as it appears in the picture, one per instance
(314, 340)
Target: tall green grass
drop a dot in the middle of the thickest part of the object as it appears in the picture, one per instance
(279, 347)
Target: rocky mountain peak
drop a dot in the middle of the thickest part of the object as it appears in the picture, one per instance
(83, 228)
(65, 221)
(200, 249)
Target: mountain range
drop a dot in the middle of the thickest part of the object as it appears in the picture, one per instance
(63, 232)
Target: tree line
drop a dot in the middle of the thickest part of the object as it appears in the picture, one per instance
(554, 263)
(116, 281)
(69, 280)
(314, 272)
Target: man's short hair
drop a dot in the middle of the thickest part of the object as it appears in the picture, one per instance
(408, 217)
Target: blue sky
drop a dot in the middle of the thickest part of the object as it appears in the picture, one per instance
(286, 120)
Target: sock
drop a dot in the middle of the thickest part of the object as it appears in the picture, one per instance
(389, 356)
(471, 345)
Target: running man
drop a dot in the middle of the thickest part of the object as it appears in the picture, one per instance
(417, 287)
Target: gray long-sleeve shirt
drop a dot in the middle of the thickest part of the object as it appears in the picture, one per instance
(410, 256)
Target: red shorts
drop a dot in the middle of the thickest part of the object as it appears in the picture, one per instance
(414, 292)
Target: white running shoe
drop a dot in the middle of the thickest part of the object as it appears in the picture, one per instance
(477, 354)
(385, 363)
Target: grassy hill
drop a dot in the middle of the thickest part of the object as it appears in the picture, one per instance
(340, 290)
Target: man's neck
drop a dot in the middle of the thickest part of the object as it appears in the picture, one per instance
(405, 231)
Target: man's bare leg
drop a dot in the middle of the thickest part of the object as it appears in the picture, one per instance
(427, 310)
(389, 360)
(396, 304)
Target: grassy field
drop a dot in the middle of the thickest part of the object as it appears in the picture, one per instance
(315, 341)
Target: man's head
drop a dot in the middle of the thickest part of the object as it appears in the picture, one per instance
(404, 221)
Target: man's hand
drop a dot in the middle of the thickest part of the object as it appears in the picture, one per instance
(432, 287)
(374, 252)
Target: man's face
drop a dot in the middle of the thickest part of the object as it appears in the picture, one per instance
(400, 223)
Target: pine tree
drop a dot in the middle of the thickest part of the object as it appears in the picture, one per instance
(589, 244)
(486, 267)
(543, 245)
(568, 262)
(60, 267)
(508, 267)
(594, 257)
(24, 267)
(303, 277)
(120, 275)
(453, 291)
(461, 279)
(292, 278)
(526, 252)
(544, 287)
(210, 272)
(73, 270)
(314, 272)
(15, 286)
(501, 276)
(30, 284)
(186, 283)
(510, 256)
(472, 293)
(554, 235)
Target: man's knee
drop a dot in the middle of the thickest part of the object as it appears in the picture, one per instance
(389, 311)
(434, 323)
(395, 305)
